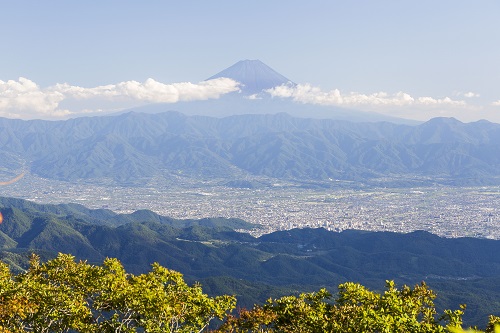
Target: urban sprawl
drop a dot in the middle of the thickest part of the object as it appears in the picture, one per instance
(443, 210)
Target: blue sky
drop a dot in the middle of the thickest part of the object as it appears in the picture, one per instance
(414, 59)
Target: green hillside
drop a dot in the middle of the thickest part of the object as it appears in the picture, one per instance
(463, 270)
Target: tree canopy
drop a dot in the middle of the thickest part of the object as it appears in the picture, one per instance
(63, 295)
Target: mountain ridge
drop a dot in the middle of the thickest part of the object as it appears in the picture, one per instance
(135, 146)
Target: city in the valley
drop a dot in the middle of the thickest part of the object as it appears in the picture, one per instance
(443, 210)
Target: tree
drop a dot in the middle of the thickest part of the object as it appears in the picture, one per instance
(356, 309)
(14, 305)
(493, 327)
(62, 295)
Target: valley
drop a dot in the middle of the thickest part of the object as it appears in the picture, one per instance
(275, 170)
(442, 210)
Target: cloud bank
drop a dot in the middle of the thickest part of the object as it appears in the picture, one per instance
(400, 104)
(308, 94)
(25, 99)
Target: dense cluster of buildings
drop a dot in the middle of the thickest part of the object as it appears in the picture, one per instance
(445, 211)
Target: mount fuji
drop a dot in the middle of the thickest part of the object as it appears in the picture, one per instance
(255, 78)
(254, 75)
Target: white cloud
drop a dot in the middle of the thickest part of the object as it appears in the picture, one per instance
(25, 95)
(471, 94)
(25, 99)
(400, 104)
(253, 97)
(154, 91)
(305, 93)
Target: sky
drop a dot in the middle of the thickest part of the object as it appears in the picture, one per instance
(410, 59)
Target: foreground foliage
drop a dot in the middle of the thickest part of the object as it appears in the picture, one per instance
(62, 295)
(356, 309)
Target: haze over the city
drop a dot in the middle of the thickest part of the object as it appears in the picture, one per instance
(414, 60)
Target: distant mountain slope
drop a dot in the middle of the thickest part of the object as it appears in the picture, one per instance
(210, 250)
(133, 147)
(239, 104)
(255, 78)
(254, 75)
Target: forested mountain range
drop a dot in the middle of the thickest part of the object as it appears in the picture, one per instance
(225, 261)
(135, 146)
